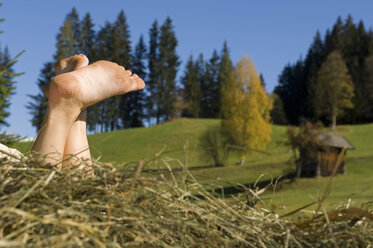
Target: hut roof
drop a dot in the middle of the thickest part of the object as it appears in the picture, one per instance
(335, 140)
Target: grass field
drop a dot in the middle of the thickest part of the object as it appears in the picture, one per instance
(177, 142)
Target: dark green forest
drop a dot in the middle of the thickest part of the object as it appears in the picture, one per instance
(297, 85)
(198, 91)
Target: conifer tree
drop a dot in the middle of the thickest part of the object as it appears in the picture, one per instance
(225, 71)
(167, 70)
(112, 43)
(211, 91)
(87, 36)
(333, 39)
(153, 82)
(292, 89)
(334, 89)
(192, 90)
(87, 46)
(7, 83)
(122, 54)
(137, 99)
(121, 47)
(201, 98)
(313, 61)
(246, 108)
(109, 108)
(68, 37)
(360, 53)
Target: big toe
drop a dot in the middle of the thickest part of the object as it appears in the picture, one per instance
(137, 82)
(71, 63)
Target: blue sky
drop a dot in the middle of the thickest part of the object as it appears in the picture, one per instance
(273, 33)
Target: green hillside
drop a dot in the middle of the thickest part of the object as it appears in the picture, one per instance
(171, 139)
(177, 142)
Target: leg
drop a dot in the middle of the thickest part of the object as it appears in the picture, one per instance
(76, 147)
(72, 92)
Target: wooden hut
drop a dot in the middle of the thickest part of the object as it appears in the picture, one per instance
(321, 159)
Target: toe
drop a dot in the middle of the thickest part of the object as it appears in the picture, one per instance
(139, 84)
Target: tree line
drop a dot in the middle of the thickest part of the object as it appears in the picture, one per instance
(305, 87)
(197, 94)
(301, 92)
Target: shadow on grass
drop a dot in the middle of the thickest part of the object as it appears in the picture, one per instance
(271, 184)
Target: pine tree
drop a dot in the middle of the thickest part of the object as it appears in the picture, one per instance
(139, 58)
(137, 99)
(7, 83)
(39, 103)
(359, 53)
(225, 71)
(68, 37)
(121, 47)
(122, 54)
(333, 39)
(192, 90)
(246, 108)
(211, 91)
(292, 90)
(109, 108)
(313, 61)
(167, 69)
(201, 98)
(153, 82)
(87, 37)
(113, 43)
(334, 89)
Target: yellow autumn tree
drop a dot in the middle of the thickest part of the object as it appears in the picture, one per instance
(246, 108)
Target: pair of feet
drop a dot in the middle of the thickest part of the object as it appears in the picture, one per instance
(77, 86)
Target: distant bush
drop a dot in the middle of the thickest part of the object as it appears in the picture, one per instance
(214, 145)
(303, 139)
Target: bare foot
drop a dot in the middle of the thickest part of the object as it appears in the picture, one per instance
(67, 65)
(88, 85)
(76, 147)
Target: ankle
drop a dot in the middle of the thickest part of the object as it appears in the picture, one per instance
(65, 115)
(64, 92)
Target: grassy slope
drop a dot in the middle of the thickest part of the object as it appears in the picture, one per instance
(171, 138)
(143, 143)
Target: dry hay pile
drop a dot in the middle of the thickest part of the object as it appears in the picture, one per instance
(45, 207)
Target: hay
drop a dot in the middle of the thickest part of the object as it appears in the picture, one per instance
(42, 206)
